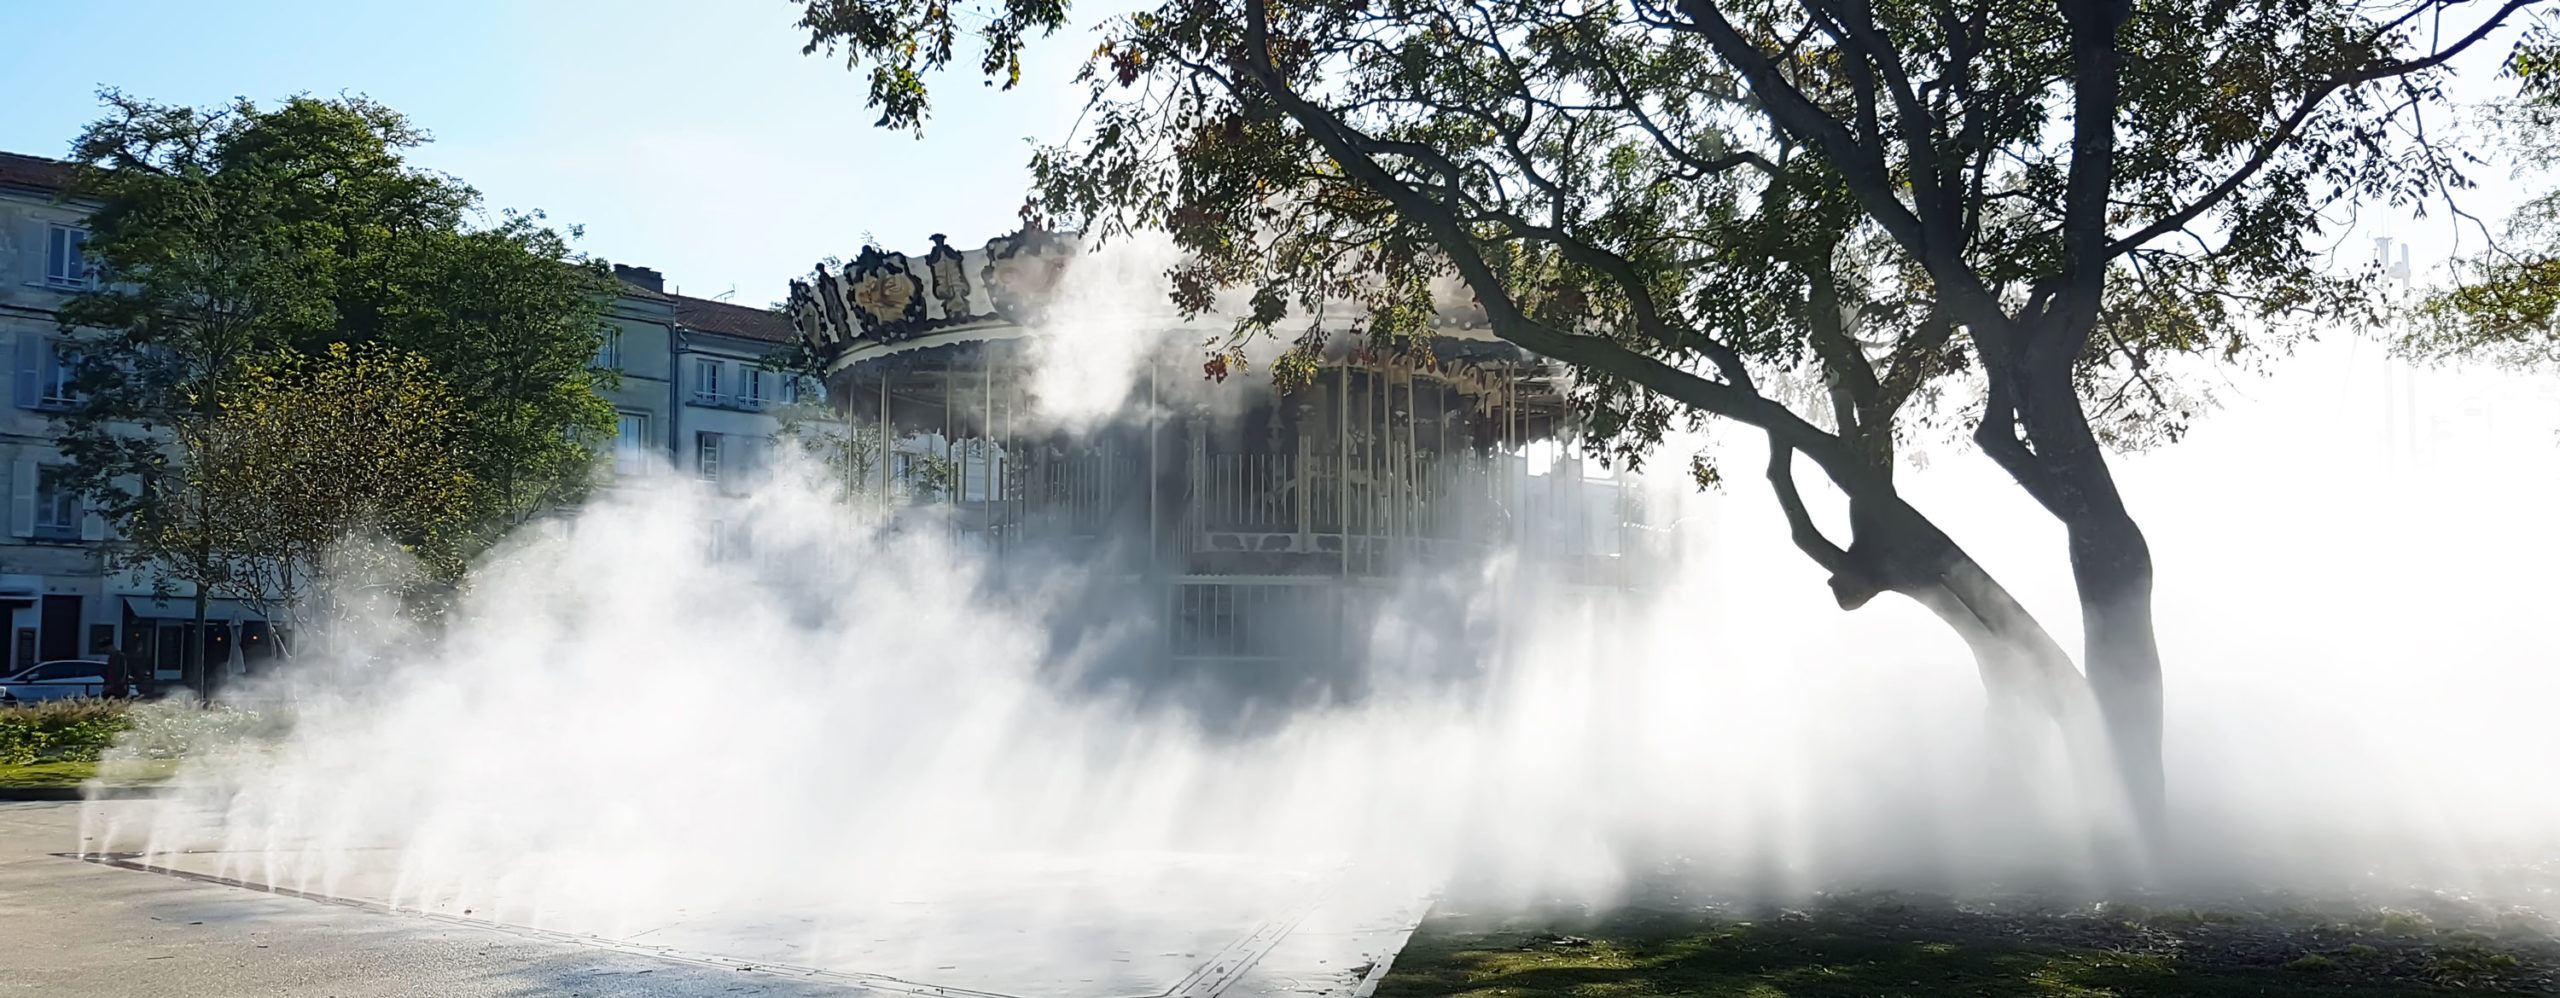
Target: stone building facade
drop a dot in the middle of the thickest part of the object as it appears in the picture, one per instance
(694, 398)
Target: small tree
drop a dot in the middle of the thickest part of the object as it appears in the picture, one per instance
(849, 449)
(343, 482)
(807, 426)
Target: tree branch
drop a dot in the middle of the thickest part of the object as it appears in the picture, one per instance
(2293, 122)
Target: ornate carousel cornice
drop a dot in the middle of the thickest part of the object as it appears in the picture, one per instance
(884, 298)
(885, 302)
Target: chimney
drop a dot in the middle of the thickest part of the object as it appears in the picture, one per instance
(641, 277)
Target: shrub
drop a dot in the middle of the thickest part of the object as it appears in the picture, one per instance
(171, 729)
(60, 730)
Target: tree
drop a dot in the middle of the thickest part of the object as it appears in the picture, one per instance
(319, 480)
(848, 449)
(506, 319)
(305, 473)
(240, 232)
(2504, 305)
(2029, 207)
(835, 442)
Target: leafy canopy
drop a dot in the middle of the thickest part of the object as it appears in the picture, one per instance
(236, 233)
(2505, 304)
(902, 40)
(1836, 209)
(321, 475)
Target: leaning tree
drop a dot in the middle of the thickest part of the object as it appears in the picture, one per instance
(2028, 217)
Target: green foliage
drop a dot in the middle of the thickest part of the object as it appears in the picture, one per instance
(88, 730)
(73, 774)
(1876, 203)
(319, 477)
(167, 729)
(76, 730)
(902, 40)
(242, 233)
(2504, 306)
(848, 452)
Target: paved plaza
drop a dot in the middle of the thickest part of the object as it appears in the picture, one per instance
(205, 922)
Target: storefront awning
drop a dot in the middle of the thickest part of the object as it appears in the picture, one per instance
(183, 609)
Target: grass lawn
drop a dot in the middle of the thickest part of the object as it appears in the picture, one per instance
(1892, 947)
(65, 774)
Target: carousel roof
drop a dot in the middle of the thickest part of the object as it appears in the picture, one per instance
(884, 302)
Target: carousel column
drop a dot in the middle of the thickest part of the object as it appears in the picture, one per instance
(986, 436)
(1411, 486)
(1155, 475)
(1195, 429)
(1162, 591)
(1342, 461)
(952, 480)
(1302, 510)
(887, 433)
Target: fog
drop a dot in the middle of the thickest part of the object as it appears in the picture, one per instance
(618, 726)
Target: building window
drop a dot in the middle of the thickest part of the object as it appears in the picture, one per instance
(706, 456)
(45, 371)
(66, 264)
(706, 381)
(758, 383)
(609, 352)
(56, 368)
(631, 443)
(57, 506)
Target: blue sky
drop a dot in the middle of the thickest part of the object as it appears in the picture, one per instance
(691, 137)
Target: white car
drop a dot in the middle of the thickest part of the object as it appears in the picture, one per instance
(60, 679)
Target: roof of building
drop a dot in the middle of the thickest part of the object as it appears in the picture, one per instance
(34, 171)
(630, 290)
(726, 319)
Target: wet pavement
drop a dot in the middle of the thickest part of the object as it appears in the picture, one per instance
(205, 921)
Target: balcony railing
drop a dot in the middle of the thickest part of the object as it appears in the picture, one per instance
(739, 403)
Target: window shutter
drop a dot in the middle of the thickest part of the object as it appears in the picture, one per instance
(30, 360)
(22, 499)
(92, 526)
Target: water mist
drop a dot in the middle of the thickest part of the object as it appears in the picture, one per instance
(854, 746)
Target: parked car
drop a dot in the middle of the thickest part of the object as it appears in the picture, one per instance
(59, 679)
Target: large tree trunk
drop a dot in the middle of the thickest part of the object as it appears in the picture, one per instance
(2060, 464)
(1895, 548)
(2017, 657)
(2111, 566)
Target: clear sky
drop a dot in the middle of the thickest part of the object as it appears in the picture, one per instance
(690, 137)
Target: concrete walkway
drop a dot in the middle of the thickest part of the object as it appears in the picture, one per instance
(73, 927)
(76, 929)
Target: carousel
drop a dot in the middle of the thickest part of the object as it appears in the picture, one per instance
(1250, 524)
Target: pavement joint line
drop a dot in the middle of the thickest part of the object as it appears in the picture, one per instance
(1221, 971)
